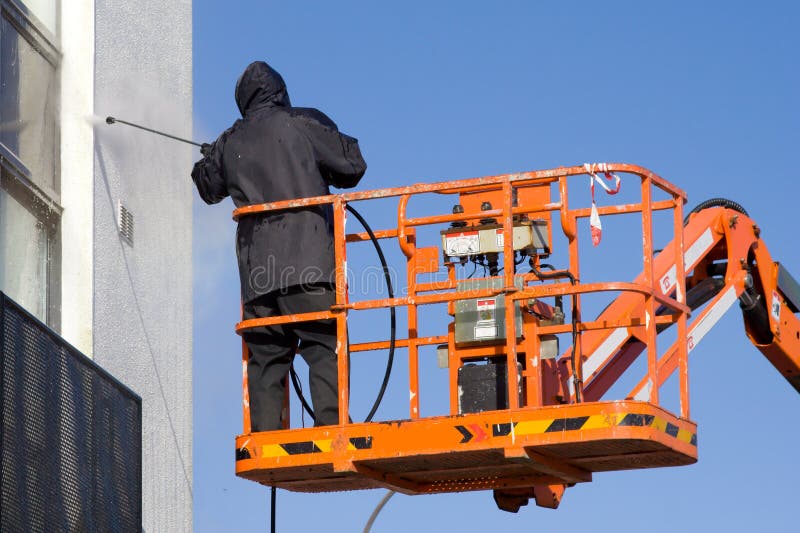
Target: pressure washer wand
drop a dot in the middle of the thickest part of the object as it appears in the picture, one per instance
(112, 120)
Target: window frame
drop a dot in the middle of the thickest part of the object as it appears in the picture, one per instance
(15, 177)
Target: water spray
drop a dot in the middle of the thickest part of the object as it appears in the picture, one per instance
(112, 120)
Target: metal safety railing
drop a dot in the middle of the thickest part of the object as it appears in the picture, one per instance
(644, 296)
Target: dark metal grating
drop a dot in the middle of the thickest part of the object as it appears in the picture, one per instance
(125, 222)
(70, 436)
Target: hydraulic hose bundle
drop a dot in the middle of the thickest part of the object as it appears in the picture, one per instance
(715, 202)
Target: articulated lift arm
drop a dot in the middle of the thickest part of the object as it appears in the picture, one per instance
(725, 261)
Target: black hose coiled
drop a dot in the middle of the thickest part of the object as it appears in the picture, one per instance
(392, 328)
(392, 314)
(716, 202)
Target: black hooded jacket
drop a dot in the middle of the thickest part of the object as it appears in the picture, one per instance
(278, 152)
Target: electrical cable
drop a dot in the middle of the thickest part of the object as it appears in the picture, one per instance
(392, 328)
(475, 269)
(574, 318)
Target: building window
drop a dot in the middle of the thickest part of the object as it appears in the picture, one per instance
(28, 247)
(46, 11)
(29, 157)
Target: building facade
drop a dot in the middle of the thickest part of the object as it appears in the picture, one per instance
(95, 220)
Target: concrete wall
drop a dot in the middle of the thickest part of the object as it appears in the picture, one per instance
(142, 292)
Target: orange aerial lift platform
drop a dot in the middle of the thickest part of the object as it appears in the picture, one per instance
(526, 418)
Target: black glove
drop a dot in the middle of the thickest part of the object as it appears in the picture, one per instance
(205, 149)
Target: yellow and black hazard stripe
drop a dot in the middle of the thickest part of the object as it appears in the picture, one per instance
(538, 427)
(670, 429)
(304, 447)
(295, 448)
(360, 443)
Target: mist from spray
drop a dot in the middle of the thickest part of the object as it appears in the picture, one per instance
(95, 120)
(146, 173)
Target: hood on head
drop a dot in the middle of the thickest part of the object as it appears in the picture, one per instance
(258, 86)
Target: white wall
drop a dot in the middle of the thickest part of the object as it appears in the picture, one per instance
(142, 293)
(77, 175)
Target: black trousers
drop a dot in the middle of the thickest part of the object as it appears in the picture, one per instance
(272, 349)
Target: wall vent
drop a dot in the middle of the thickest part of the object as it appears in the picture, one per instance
(125, 222)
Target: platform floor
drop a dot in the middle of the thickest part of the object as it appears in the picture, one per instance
(497, 449)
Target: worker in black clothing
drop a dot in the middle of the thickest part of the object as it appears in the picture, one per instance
(286, 263)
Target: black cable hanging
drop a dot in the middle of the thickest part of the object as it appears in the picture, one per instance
(392, 328)
(272, 506)
(298, 389)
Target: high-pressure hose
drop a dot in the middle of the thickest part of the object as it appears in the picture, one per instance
(273, 506)
(389, 363)
(392, 328)
(392, 313)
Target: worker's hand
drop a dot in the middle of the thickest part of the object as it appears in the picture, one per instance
(205, 149)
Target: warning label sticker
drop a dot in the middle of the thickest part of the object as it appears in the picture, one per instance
(669, 280)
(775, 307)
(486, 310)
(485, 326)
(465, 243)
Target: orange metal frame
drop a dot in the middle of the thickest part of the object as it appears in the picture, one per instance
(546, 439)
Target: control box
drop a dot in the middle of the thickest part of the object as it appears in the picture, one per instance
(529, 235)
(483, 320)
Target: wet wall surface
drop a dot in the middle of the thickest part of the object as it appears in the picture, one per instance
(143, 284)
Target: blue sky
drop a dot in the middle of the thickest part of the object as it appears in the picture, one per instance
(705, 94)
